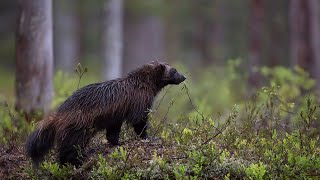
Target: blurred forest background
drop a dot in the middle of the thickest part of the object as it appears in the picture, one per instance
(228, 47)
(196, 33)
(248, 109)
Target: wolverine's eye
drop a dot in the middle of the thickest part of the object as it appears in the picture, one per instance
(173, 71)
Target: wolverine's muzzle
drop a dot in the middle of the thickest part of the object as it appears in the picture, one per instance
(178, 78)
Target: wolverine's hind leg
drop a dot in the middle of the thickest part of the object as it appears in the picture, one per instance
(71, 147)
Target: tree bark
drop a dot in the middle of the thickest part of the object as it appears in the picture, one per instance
(66, 40)
(218, 46)
(314, 6)
(300, 50)
(255, 40)
(276, 40)
(113, 39)
(34, 88)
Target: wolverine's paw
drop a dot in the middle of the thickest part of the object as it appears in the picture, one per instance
(115, 143)
(144, 136)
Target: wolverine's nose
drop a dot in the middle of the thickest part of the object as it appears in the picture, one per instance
(183, 78)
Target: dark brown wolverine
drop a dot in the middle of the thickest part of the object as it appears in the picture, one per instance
(101, 106)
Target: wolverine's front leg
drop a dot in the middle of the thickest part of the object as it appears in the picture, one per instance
(113, 133)
(140, 128)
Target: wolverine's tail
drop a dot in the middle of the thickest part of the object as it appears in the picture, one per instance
(39, 143)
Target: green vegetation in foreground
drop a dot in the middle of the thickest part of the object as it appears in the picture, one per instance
(7, 83)
(196, 133)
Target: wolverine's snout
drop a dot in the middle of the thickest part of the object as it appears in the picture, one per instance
(178, 78)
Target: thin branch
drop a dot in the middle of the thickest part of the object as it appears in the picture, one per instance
(190, 101)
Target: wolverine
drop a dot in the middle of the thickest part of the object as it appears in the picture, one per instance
(101, 106)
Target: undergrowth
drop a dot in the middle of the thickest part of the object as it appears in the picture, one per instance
(203, 129)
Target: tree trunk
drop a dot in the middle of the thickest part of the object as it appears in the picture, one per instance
(34, 89)
(112, 39)
(218, 46)
(305, 36)
(314, 6)
(255, 40)
(144, 40)
(300, 51)
(66, 46)
(276, 38)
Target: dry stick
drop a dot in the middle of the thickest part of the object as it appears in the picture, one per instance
(167, 112)
(219, 131)
(194, 107)
(214, 136)
(80, 71)
(163, 119)
(203, 118)
(229, 144)
(162, 98)
(80, 77)
(200, 147)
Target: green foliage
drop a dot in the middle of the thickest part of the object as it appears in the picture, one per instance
(292, 82)
(7, 84)
(104, 169)
(256, 171)
(12, 124)
(56, 171)
(119, 154)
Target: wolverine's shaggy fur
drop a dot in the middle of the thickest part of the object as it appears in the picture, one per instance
(101, 106)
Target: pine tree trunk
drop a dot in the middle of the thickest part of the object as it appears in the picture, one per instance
(112, 39)
(34, 88)
(300, 52)
(255, 38)
(218, 46)
(277, 37)
(314, 6)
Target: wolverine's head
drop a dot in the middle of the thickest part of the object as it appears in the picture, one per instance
(169, 75)
(158, 73)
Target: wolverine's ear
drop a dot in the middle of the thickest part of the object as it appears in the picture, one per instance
(160, 68)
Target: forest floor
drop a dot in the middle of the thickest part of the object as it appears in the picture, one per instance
(14, 164)
(11, 160)
(158, 159)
